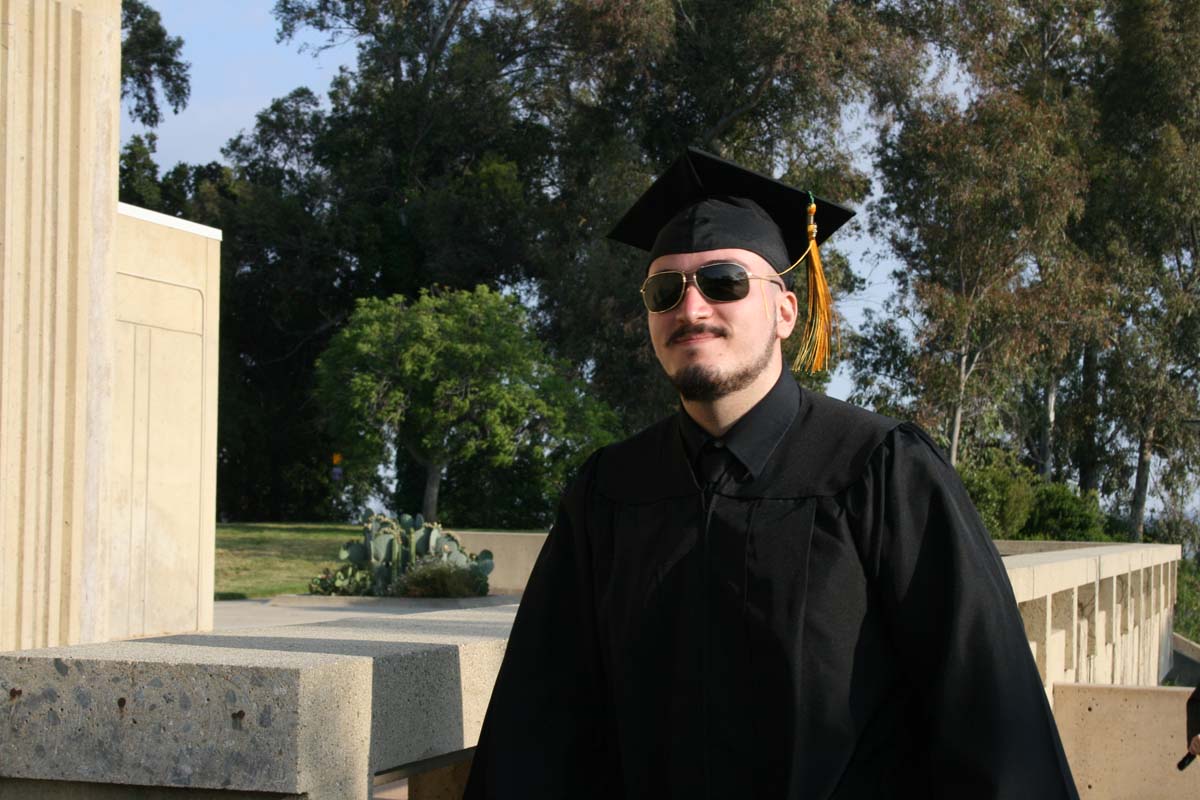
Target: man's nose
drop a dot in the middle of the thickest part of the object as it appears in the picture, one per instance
(693, 305)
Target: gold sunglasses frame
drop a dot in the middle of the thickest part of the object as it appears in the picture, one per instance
(690, 277)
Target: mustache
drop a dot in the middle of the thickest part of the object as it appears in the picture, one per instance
(692, 330)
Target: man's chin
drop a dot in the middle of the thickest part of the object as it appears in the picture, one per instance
(701, 383)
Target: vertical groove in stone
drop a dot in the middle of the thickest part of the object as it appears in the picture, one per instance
(45, 342)
(9, 594)
(59, 385)
(68, 608)
(28, 258)
(76, 368)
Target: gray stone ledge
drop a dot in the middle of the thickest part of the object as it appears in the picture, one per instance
(312, 709)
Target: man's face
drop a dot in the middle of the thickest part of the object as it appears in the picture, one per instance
(710, 350)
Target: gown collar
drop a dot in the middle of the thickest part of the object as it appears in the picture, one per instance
(755, 436)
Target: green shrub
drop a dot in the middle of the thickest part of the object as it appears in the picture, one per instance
(1187, 604)
(433, 577)
(1002, 490)
(1059, 513)
(347, 580)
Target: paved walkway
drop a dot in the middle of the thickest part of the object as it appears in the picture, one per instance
(293, 609)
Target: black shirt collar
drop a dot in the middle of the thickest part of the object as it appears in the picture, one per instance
(755, 436)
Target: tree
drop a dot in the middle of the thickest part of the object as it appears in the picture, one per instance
(138, 181)
(448, 377)
(1146, 223)
(976, 204)
(150, 60)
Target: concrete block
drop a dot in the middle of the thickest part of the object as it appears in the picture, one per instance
(432, 673)
(156, 714)
(1021, 579)
(446, 783)
(1123, 741)
(515, 555)
(313, 709)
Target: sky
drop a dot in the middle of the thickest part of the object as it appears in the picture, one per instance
(237, 69)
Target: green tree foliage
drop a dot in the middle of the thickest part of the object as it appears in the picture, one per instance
(1003, 491)
(139, 183)
(1187, 606)
(976, 202)
(1074, 342)
(1038, 193)
(1059, 512)
(495, 143)
(452, 378)
(1145, 216)
(151, 59)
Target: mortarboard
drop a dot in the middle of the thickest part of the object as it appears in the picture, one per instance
(702, 202)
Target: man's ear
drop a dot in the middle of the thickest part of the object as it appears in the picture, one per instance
(787, 308)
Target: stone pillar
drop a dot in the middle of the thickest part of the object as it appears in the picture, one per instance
(59, 131)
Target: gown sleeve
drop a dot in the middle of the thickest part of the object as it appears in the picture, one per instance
(956, 629)
(544, 732)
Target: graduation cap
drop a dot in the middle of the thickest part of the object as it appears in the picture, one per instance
(703, 202)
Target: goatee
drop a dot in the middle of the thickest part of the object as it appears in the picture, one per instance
(704, 384)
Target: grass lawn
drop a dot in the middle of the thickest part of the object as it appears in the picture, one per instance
(265, 559)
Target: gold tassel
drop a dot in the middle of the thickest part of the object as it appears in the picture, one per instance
(813, 355)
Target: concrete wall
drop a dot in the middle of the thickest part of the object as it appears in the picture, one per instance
(108, 349)
(59, 106)
(515, 555)
(1099, 614)
(164, 425)
(1123, 742)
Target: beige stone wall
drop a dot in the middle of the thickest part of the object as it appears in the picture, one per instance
(59, 106)
(1101, 614)
(515, 553)
(108, 353)
(1123, 742)
(164, 446)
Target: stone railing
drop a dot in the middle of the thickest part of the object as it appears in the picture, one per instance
(1096, 614)
(326, 710)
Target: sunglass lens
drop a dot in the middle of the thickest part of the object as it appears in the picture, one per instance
(723, 283)
(662, 290)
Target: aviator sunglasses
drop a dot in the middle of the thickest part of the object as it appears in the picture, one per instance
(722, 282)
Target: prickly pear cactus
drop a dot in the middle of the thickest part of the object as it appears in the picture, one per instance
(392, 549)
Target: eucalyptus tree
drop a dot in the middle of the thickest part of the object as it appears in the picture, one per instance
(1146, 216)
(975, 203)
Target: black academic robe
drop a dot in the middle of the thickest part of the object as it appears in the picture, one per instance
(838, 626)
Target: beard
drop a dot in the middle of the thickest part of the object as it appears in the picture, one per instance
(704, 384)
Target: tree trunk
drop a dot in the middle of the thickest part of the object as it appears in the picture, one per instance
(1141, 486)
(1088, 449)
(1044, 447)
(433, 481)
(956, 422)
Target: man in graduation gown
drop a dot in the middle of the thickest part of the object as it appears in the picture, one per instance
(770, 594)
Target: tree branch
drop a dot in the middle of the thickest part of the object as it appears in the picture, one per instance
(756, 96)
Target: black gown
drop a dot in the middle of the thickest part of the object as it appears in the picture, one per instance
(833, 622)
